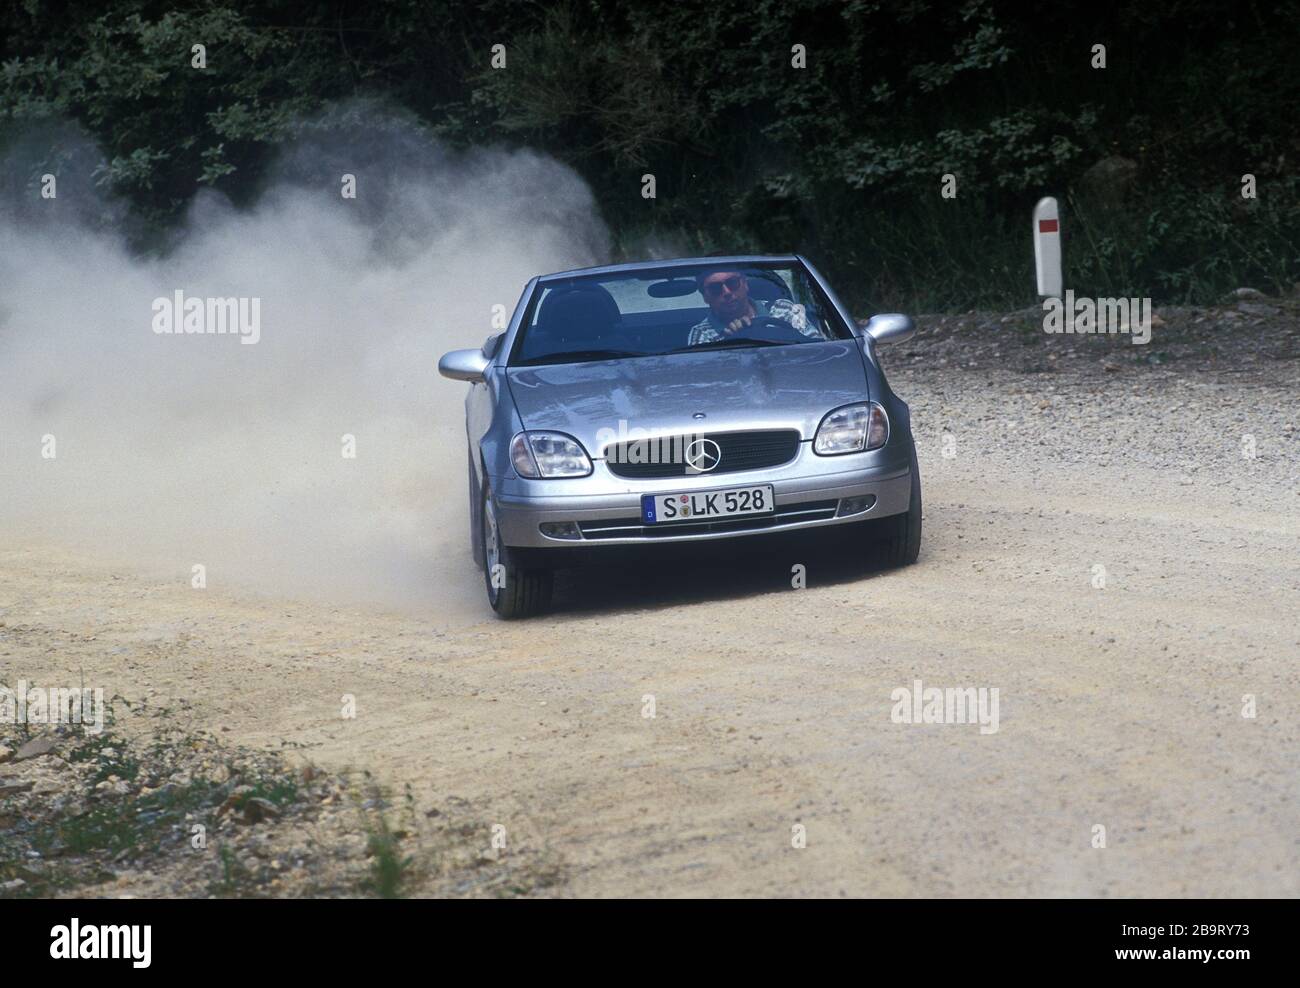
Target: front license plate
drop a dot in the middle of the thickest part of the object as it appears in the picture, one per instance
(707, 505)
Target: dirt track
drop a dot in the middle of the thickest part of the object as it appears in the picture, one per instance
(1119, 706)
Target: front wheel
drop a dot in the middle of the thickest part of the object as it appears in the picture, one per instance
(902, 538)
(514, 591)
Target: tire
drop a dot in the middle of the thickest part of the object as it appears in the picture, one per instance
(526, 590)
(901, 541)
(475, 535)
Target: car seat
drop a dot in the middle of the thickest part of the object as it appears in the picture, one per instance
(576, 318)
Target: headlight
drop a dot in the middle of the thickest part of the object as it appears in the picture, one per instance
(852, 429)
(548, 455)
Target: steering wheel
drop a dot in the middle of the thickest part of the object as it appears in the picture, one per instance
(775, 329)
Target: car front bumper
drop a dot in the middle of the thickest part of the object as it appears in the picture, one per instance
(810, 492)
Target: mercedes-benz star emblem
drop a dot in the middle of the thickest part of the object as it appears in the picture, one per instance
(703, 455)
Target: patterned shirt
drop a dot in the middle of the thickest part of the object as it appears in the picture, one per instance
(710, 329)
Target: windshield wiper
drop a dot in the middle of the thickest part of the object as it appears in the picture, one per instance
(728, 341)
(573, 356)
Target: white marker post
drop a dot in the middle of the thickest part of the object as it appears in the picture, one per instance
(1047, 247)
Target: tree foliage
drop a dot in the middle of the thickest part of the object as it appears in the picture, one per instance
(841, 159)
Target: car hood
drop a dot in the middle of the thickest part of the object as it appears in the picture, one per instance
(743, 388)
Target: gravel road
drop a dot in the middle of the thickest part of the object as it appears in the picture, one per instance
(1112, 541)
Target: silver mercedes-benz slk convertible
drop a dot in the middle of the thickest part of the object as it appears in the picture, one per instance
(694, 400)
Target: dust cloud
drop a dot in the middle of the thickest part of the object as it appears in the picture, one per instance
(172, 450)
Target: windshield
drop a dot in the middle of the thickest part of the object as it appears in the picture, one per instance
(674, 310)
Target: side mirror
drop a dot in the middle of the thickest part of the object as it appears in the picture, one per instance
(491, 343)
(464, 365)
(890, 327)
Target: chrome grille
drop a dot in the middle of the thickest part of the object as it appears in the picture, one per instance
(740, 451)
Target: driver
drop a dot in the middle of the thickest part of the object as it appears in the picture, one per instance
(731, 309)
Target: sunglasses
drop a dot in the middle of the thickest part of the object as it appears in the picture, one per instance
(714, 288)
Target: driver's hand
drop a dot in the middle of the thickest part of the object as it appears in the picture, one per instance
(736, 325)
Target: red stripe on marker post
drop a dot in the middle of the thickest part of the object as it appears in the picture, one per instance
(1047, 226)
